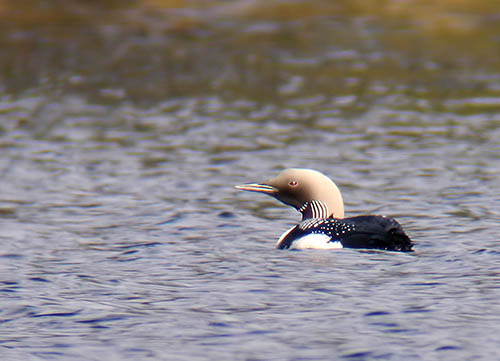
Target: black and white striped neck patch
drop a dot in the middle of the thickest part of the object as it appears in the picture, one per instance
(314, 209)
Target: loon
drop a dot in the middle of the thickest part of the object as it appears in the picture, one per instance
(323, 225)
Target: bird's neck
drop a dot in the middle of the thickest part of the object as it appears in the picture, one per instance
(314, 209)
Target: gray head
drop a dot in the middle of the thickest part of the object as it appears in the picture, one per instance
(309, 191)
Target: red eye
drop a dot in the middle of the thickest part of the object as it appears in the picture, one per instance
(293, 183)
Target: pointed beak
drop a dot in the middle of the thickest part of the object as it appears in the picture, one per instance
(260, 188)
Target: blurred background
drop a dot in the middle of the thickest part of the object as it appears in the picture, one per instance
(430, 55)
(125, 124)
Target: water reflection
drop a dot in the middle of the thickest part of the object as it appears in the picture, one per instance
(278, 52)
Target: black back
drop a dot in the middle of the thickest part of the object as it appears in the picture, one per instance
(370, 232)
(376, 232)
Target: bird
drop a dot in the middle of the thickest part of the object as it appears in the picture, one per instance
(323, 225)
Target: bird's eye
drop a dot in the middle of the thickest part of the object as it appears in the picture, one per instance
(293, 183)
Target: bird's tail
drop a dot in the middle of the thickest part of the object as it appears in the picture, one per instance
(398, 238)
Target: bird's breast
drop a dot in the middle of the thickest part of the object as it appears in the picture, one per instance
(315, 241)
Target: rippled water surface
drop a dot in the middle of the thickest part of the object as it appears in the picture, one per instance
(123, 129)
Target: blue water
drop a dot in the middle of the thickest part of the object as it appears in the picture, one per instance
(124, 131)
(134, 251)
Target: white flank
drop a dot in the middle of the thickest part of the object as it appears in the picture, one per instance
(314, 241)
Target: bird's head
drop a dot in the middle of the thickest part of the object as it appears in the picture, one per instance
(300, 188)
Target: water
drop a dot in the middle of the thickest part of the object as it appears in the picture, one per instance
(123, 237)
